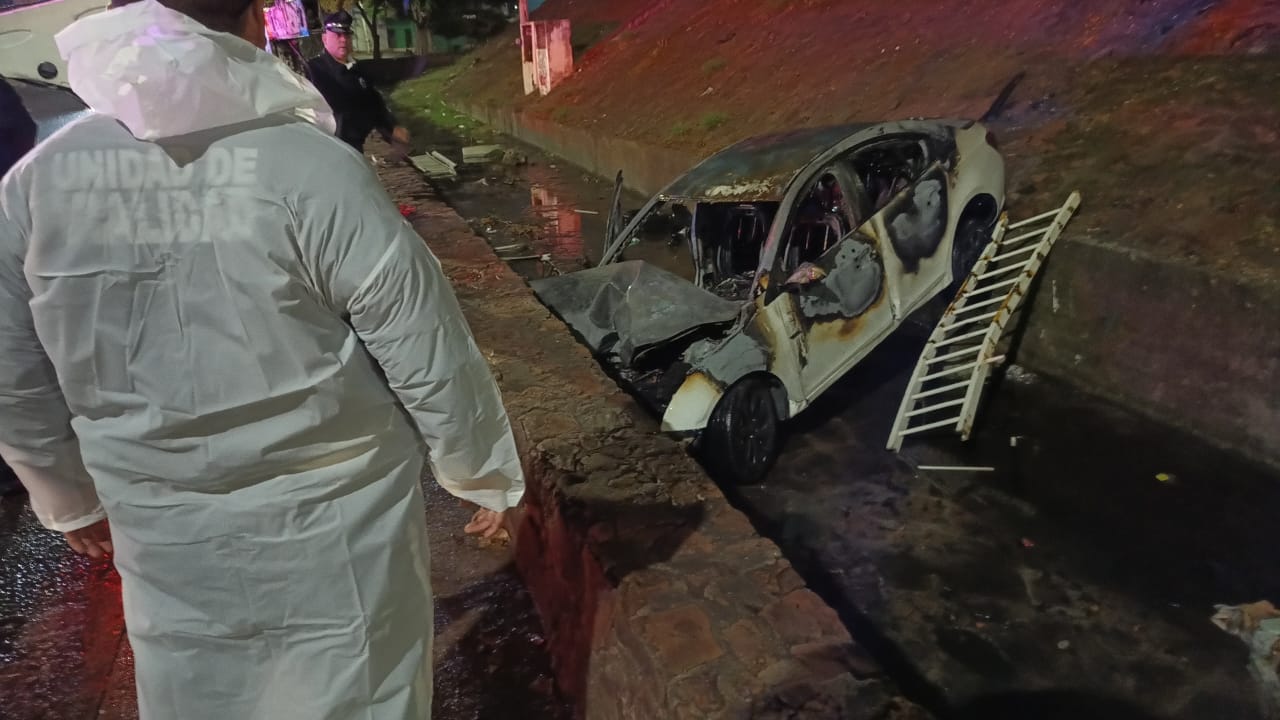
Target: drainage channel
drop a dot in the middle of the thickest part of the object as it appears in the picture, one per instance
(547, 217)
(1029, 586)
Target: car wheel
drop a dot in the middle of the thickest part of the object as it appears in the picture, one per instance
(971, 239)
(742, 439)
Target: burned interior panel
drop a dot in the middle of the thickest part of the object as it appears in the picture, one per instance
(852, 279)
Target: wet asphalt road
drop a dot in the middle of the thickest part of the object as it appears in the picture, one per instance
(1077, 580)
(63, 657)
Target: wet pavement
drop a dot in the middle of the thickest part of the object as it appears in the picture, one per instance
(63, 655)
(60, 622)
(1077, 580)
(1087, 565)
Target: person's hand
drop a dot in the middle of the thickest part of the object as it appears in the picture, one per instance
(400, 135)
(94, 540)
(486, 523)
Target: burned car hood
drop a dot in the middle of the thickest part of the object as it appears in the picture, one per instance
(623, 309)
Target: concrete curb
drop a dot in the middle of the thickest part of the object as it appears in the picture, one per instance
(658, 598)
(1180, 344)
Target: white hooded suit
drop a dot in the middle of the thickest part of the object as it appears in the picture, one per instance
(217, 329)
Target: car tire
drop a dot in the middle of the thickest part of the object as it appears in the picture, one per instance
(744, 434)
(971, 239)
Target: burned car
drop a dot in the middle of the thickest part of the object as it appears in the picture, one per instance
(801, 252)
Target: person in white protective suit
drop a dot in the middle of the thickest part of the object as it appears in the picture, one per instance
(218, 334)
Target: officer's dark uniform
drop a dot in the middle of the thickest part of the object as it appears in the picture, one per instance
(17, 129)
(358, 106)
(17, 137)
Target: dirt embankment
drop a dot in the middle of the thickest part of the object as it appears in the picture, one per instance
(1163, 112)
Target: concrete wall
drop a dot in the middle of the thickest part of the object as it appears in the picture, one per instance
(1188, 347)
(646, 169)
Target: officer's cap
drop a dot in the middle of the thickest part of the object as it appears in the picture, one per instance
(339, 22)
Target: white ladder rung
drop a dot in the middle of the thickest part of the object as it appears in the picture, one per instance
(961, 368)
(956, 354)
(1003, 270)
(940, 390)
(1024, 236)
(1011, 253)
(935, 408)
(974, 319)
(1041, 216)
(951, 372)
(958, 338)
(996, 286)
(930, 426)
(974, 306)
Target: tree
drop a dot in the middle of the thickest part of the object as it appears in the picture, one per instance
(421, 12)
(370, 11)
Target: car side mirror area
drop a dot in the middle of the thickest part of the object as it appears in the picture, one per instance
(805, 275)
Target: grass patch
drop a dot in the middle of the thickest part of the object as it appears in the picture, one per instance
(423, 99)
(714, 65)
(713, 120)
(585, 36)
(680, 129)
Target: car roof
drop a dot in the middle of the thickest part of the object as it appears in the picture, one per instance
(759, 169)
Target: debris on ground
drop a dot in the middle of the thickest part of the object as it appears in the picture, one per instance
(1258, 625)
(514, 158)
(434, 165)
(479, 154)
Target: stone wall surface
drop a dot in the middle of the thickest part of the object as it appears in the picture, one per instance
(658, 598)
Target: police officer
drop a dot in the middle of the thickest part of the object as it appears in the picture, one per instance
(356, 103)
(17, 137)
(17, 129)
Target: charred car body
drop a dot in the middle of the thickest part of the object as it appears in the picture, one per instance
(804, 251)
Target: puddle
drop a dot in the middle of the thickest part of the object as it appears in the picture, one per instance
(542, 207)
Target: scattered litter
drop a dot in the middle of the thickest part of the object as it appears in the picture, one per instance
(479, 154)
(407, 210)
(545, 257)
(1013, 440)
(1028, 543)
(1064, 645)
(1166, 477)
(434, 165)
(585, 212)
(957, 468)
(1258, 625)
(508, 248)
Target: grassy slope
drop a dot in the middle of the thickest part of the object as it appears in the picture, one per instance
(1135, 102)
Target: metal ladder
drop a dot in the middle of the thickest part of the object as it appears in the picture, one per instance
(947, 382)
